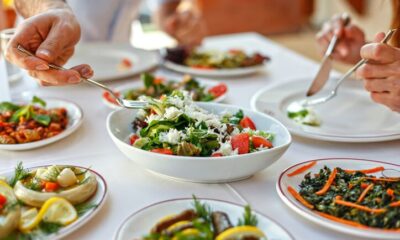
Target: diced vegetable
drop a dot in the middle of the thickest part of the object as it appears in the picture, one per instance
(246, 122)
(50, 186)
(260, 142)
(241, 142)
(218, 90)
(162, 151)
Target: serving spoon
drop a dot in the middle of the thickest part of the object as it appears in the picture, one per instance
(130, 104)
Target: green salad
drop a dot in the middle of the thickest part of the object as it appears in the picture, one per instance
(155, 87)
(175, 125)
(233, 58)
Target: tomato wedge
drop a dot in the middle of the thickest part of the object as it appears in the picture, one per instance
(218, 90)
(107, 96)
(133, 139)
(162, 151)
(216, 154)
(3, 200)
(246, 122)
(260, 141)
(241, 142)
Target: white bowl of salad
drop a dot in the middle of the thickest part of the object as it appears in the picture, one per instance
(198, 142)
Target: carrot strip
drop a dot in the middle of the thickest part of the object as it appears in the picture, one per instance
(328, 183)
(364, 193)
(299, 198)
(340, 220)
(383, 179)
(360, 207)
(371, 170)
(390, 192)
(302, 169)
(395, 204)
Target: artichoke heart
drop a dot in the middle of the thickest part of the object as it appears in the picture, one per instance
(187, 149)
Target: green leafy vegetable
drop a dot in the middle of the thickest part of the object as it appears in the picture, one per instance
(202, 210)
(8, 107)
(84, 208)
(42, 119)
(248, 219)
(49, 227)
(19, 174)
(28, 112)
(39, 101)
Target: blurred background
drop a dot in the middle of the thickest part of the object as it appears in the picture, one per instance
(292, 23)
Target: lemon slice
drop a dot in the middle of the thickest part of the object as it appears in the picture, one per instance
(59, 210)
(241, 232)
(190, 232)
(29, 220)
(55, 210)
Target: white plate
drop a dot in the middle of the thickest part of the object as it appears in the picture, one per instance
(206, 83)
(106, 57)
(237, 72)
(139, 223)
(349, 117)
(75, 118)
(201, 169)
(97, 199)
(347, 163)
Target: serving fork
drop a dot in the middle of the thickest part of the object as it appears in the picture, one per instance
(333, 92)
(121, 102)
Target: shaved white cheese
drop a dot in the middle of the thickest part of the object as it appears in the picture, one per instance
(141, 114)
(172, 112)
(152, 117)
(173, 136)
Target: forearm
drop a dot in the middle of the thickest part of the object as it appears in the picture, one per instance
(29, 8)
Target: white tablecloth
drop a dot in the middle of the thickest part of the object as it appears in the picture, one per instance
(131, 188)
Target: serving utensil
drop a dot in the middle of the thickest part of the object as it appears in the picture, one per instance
(326, 65)
(333, 92)
(122, 102)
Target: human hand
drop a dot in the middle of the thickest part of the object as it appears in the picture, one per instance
(381, 73)
(52, 36)
(186, 27)
(351, 39)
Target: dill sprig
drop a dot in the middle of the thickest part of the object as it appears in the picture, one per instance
(248, 219)
(19, 174)
(202, 210)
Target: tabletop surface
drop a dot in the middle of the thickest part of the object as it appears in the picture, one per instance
(132, 188)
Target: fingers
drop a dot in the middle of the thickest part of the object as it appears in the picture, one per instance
(84, 70)
(51, 47)
(390, 100)
(379, 37)
(382, 85)
(369, 71)
(56, 77)
(379, 52)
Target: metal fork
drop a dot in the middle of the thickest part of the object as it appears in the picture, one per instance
(333, 93)
(122, 102)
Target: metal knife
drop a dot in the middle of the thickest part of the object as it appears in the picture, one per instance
(323, 72)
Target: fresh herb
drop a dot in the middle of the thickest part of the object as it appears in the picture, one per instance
(28, 112)
(248, 219)
(83, 172)
(39, 101)
(8, 107)
(302, 113)
(84, 208)
(203, 211)
(49, 227)
(19, 174)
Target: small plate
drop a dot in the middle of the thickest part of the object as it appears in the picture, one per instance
(105, 59)
(139, 223)
(347, 163)
(222, 73)
(97, 199)
(75, 119)
(207, 83)
(349, 117)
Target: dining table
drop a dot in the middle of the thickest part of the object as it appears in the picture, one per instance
(131, 188)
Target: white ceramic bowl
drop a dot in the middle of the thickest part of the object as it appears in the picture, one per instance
(201, 169)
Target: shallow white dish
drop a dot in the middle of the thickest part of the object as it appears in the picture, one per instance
(139, 223)
(98, 199)
(207, 83)
(201, 169)
(347, 163)
(350, 117)
(105, 58)
(237, 72)
(75, 119)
